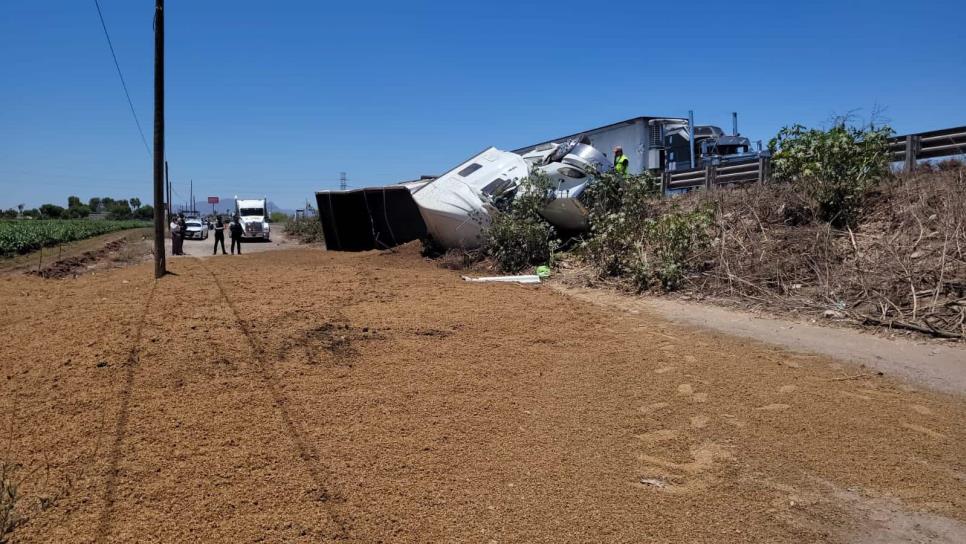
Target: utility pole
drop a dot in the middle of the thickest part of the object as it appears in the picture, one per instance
(159, 260)
(167, 186)
(342, 181)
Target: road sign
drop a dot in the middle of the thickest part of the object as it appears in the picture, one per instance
(212, 200)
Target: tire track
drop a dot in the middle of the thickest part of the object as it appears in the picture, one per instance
(120, 427)
(305, 449)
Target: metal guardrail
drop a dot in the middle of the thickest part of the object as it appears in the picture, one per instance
(750, 171)
(934, 144)
(907, 149)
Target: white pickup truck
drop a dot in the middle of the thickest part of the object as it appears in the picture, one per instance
(253, 215)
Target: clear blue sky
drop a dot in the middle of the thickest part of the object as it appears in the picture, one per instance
(278, 97)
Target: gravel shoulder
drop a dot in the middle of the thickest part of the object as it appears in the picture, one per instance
(304, 395)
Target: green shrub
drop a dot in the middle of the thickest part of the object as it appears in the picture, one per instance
(672, 239)
(834, 167)
(618, 209)
(307, 230)
(518, 237)
(629, 238)
(516, 244)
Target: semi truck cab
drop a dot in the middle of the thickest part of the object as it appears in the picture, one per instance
(253, 215)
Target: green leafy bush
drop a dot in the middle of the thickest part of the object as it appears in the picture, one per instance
(672, 240)
(834, 167)
(617, 210)
(518, 237)
(630, 237)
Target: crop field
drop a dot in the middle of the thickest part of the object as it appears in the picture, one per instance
(310, 396)
(19, 237)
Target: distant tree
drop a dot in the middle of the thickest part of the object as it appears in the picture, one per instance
(145, 212)
(51, 211)
(135, 203)
(73, 202)
(95, 204)
(10, 214)
(78, 212)
(32, 213)
(106, 203)
(119, 210)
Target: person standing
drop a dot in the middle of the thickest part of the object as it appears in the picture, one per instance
(219, 236)
(182, 227)
(236, 231)
(620, 161)
(176, 240)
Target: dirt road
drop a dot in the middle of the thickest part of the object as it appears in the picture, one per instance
(305, 396)
(204, 248)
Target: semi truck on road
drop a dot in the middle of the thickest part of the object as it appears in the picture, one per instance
(253, 215)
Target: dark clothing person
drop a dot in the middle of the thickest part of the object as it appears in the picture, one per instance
(182, 227)
(220, 237)
(177, 237)
(236, 232)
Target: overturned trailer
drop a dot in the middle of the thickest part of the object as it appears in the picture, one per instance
(370, 218)
(455, 209)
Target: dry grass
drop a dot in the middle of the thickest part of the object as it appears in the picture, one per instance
(9, 517)
(902, 266)
(136, 250)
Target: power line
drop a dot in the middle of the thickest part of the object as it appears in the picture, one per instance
(121, 75)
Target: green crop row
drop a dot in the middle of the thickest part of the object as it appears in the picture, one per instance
(18, 237)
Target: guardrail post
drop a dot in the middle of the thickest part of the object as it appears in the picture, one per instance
(913, 145)
(665, 182)
(709, 175)
(764, 169)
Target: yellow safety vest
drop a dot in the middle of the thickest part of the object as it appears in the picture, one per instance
(620, 164)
